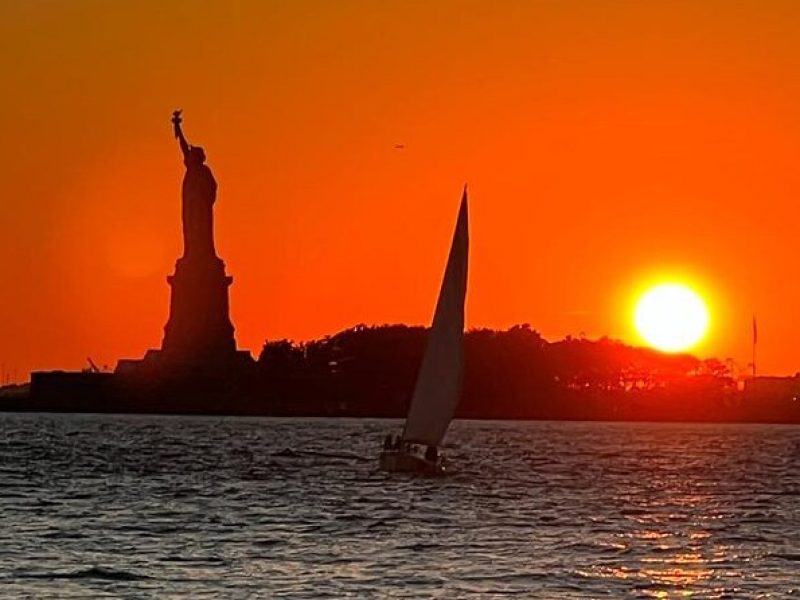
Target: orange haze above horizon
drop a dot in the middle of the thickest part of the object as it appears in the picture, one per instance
(606, 145)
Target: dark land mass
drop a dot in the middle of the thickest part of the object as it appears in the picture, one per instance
(371, 371)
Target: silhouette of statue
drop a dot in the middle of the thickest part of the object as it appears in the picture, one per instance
(199, 326)
(198, 195)
(198, 350)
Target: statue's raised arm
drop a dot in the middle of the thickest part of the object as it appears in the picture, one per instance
(176, 124)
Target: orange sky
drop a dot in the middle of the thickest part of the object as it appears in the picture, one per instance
(605, 143)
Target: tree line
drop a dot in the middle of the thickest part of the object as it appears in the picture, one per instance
(509, 374)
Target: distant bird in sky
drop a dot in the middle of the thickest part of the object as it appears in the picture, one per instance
(399, 146)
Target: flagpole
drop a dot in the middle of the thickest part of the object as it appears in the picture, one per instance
(755, 341)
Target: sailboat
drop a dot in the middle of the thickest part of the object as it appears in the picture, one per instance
(438, 387)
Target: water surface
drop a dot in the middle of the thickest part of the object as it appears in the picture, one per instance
(177, 507)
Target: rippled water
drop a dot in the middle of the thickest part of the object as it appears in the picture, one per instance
(146, 507)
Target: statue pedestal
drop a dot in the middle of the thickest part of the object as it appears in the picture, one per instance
(199, 329)
(198, 358)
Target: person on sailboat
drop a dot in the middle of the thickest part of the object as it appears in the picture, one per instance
(431, 454)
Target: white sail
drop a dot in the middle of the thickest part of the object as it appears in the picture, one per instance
(438, 387)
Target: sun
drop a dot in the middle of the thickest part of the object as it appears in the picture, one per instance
(671, 317)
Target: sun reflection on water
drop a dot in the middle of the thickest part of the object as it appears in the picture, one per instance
(670, 537)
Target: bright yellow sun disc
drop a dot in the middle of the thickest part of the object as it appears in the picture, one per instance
(671, 317)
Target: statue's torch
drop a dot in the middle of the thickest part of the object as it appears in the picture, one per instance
(176, 120)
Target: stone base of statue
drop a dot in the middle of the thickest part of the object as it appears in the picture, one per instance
(199, 329)
(198, 356)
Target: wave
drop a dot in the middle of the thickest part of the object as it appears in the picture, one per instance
(291, 453)
(90, 573)
(789, 556)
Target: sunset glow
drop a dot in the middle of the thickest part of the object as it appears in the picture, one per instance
(671, 317)
(598, 140)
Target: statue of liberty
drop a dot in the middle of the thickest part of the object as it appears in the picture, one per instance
(198, 333)
(198, 195)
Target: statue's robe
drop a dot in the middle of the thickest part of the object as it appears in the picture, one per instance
(199, 192)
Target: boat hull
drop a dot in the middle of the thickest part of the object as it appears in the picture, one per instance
(403, 462)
